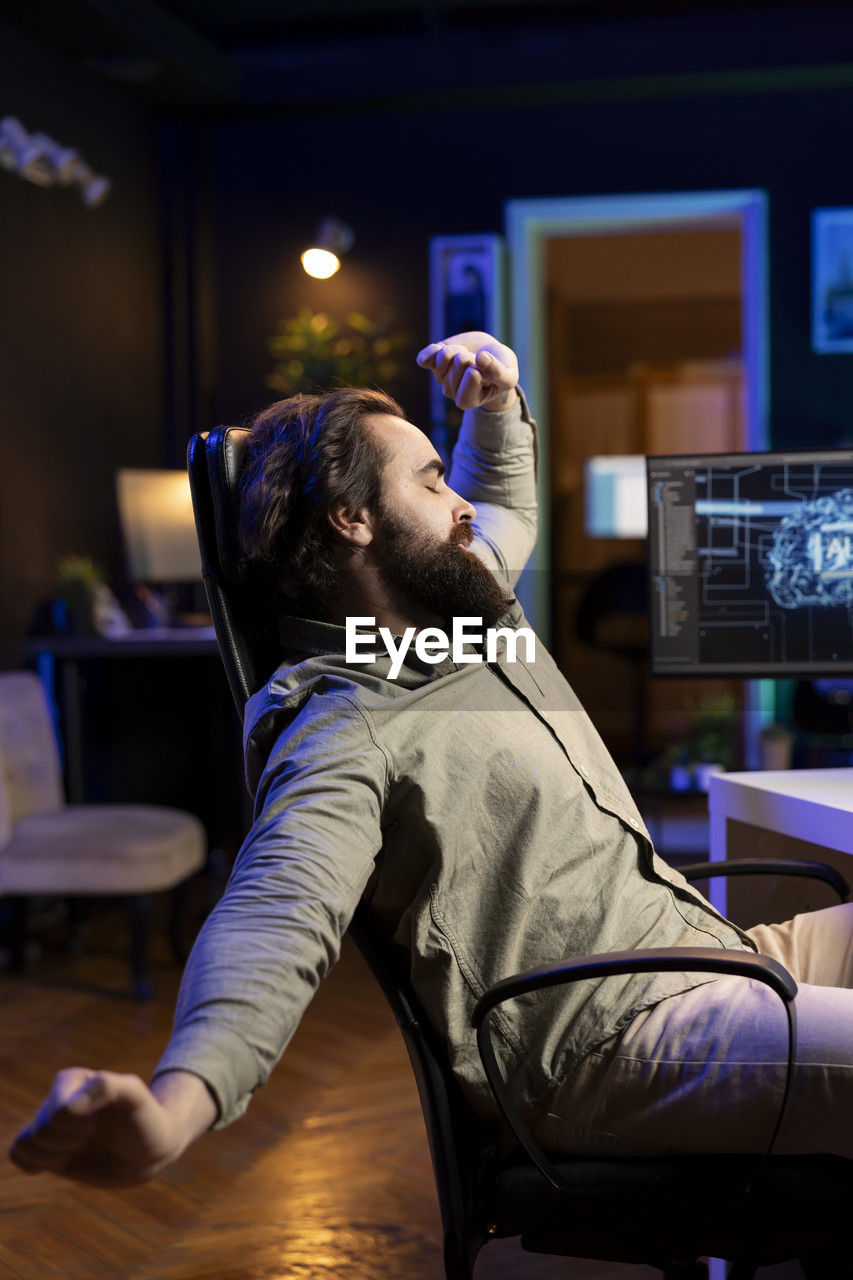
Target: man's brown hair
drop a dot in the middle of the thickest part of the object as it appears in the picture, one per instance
(308, 454)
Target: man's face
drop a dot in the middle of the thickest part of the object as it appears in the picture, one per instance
(423, 528)
(413, 479)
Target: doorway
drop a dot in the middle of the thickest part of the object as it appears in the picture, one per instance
(640, 324)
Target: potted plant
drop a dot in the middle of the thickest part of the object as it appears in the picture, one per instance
(77, 580)
(314, 351)
(708, 744)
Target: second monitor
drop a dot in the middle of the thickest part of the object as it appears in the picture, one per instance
(751, 563)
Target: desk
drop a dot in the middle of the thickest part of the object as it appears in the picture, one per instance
(156, 726)
(67, 653)
(814, 805)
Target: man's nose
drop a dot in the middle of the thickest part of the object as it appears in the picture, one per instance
(463, 510)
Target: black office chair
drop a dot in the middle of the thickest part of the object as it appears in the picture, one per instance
(667, 1212)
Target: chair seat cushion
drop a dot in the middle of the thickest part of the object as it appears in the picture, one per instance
(102, 849)
(635, 1209)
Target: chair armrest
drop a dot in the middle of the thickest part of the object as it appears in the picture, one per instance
(653, 960)
(666, 959)
(770, 867)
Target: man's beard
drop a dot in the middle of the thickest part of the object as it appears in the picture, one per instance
(441, 576)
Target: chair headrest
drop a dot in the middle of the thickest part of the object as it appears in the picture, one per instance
(227, 451)
(244, 613)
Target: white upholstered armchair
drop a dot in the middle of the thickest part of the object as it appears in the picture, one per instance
(50, 848)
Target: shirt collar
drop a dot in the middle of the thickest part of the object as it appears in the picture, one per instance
(310, 638)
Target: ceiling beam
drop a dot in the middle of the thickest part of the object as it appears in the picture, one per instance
(174, 42)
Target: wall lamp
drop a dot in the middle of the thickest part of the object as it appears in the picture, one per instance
(333, 240)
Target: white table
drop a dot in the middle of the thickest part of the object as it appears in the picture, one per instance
(809, 804)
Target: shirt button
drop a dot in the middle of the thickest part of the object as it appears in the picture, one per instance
(633, 822)
(584, 771)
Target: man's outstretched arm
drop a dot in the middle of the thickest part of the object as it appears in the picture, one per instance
(252, 971)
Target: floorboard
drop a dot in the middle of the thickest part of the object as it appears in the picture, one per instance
(327, 1175)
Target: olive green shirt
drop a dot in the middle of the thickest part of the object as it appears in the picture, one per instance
(471, 805)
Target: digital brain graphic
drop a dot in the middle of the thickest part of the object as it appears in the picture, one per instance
(810, 560)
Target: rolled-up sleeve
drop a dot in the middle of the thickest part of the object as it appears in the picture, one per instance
(295, 885)
(494, 466)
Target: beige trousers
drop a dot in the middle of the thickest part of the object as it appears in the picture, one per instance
(704, 1071)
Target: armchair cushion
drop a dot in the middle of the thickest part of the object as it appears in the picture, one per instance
(102, 849)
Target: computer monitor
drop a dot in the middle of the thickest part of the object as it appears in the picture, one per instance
(615, 496)
(156, 513)
(751, 564)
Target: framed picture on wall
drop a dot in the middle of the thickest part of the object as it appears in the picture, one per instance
(466, 292)
(832, 280)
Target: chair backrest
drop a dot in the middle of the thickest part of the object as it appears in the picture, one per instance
(243, 612)
(29, 757)
(247, 629)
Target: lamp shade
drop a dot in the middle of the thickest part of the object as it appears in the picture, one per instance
(333, 239)
(155, 509)
(320, 263)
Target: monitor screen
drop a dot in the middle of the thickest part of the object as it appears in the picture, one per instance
(615, 496)
(751, 563)
(156, 513)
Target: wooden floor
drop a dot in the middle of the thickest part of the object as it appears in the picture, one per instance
(327, 1175)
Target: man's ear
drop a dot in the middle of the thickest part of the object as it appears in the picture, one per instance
(352, 525)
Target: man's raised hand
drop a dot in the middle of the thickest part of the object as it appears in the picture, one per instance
(473, 369)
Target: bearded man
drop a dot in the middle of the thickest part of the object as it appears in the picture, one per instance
(469, 803)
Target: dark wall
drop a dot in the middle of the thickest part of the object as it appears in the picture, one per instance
(80, 331)
(86, 384)
(272, 181)
(399, 176)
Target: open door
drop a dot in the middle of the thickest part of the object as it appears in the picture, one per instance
(640, 326)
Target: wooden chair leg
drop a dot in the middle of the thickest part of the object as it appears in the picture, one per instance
(139, 912)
